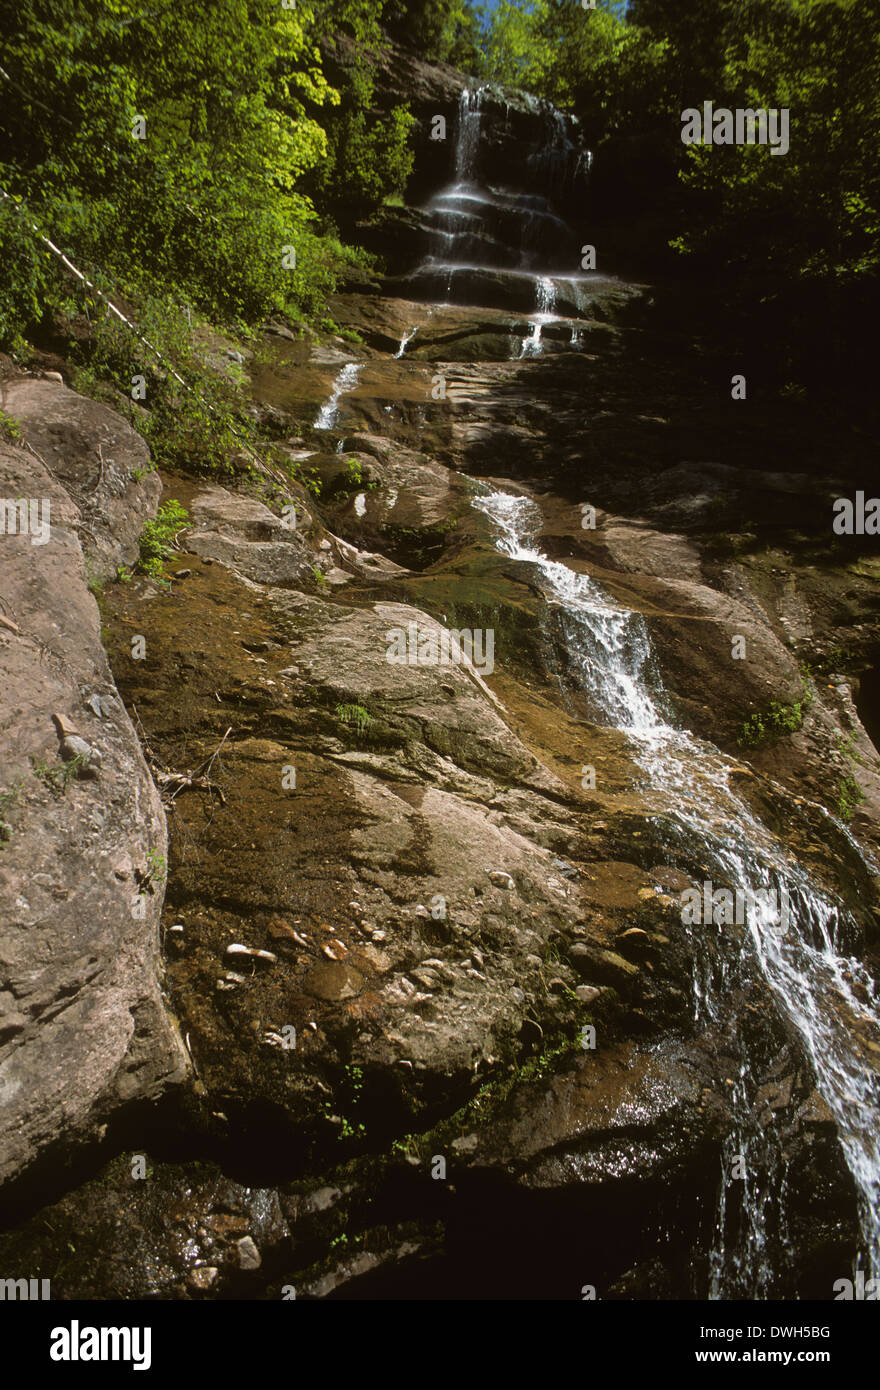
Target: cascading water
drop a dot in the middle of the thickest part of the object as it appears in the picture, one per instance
(505, 244)
(533, 345)
(346, 381)
(406, 338)
(827, 996)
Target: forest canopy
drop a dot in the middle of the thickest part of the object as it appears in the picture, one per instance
(184, 145)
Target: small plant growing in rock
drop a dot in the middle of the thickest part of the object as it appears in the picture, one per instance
(10, 429)
(353, 478)
(58, 777)
(7, 800)
(776, 720)
(354, 716)
(158, 536)
(849, 793)
(157, 865)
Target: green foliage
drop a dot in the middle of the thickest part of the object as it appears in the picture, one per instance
(810, 217)
(354, 716)
(58, 776)
(8, 800)
(10, 429)
(208, 206)
(157, 866)
(158, 535)
(368, 158)
(352, 480)
(440, 31)
(849, 793)
(556, 49)
(776, 721)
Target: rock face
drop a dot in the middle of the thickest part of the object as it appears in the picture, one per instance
(83, 1026)
(403, 882)
(451, 1032)
(97, 458)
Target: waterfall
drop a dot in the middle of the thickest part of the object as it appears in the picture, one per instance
(467, 135)
(504, 238)
(827, 996)
(533, 346)
(346, 381)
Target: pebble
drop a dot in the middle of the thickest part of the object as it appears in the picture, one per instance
(72, 746)
(202, 1277)
(587, 994)
(501, 879)
(236, 949)
(249, 1256)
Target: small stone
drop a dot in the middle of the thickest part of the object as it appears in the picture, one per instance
(587, 994)
(501, 880)
(182, 574)
(202, 1277)
(249, 1256)
(72, 746)
(323, 1198)
(236, 949)
(466, 1144)
(426, 978)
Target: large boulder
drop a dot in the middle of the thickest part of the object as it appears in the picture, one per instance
(83, 1027)
(100, 461)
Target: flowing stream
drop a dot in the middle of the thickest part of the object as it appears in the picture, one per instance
(346, 381)
(826, 995)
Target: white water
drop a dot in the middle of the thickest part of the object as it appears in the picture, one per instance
(545, 293)
(346, 381)
(407, 338)
(827, 996)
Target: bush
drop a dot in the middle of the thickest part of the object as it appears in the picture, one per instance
(158, 535)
